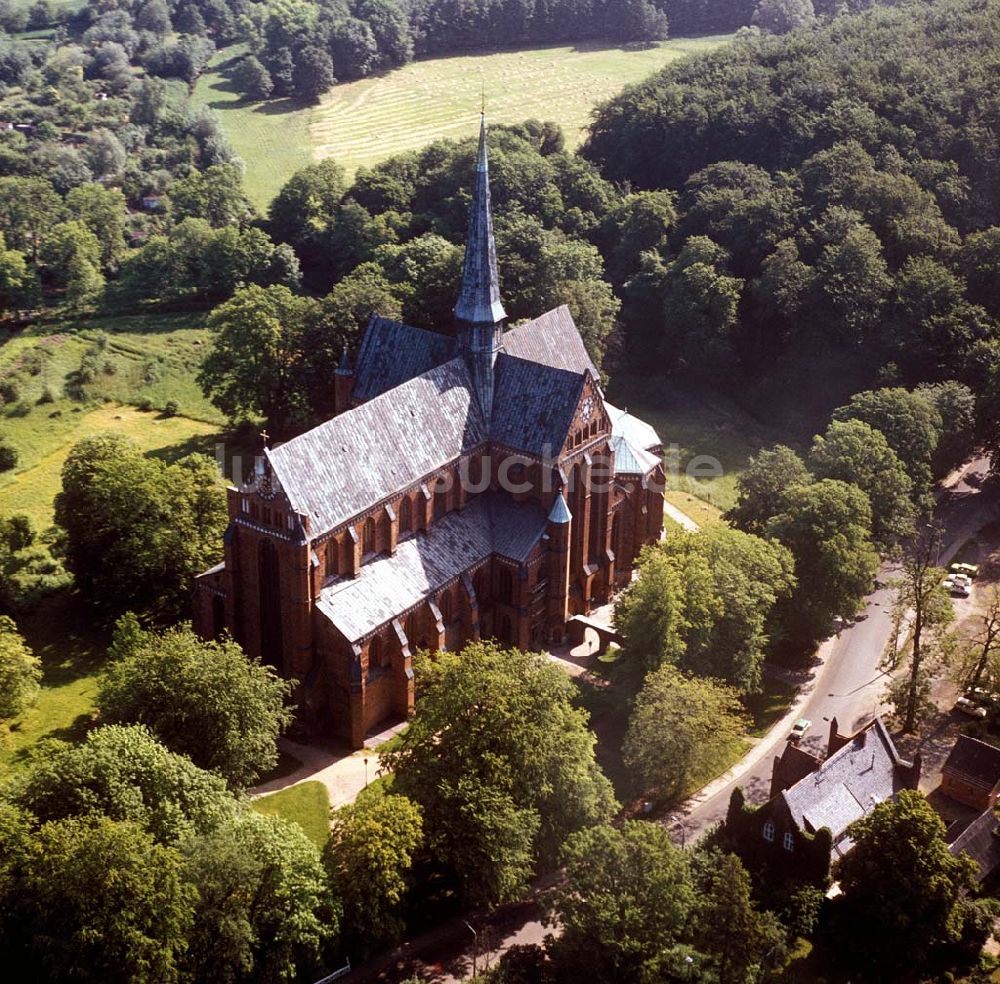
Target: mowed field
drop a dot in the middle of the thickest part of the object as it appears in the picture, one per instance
(361, 123)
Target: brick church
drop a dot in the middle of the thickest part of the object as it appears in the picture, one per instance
(474, 482)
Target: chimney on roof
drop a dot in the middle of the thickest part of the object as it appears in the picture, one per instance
(343, 384)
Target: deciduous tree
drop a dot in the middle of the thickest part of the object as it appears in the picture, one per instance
(20, 671)
(206, 700)
(371, 851)
(502, 765)
(681, 726)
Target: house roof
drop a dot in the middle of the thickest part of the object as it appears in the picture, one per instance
(490, 523)
(533, 405)
(974, 761)
(552, 340)
(634, 430)
(392, 353)
(850, 783)
(981, 841)
(631, 460)
(341, 468)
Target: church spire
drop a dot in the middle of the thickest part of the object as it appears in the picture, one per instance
(479, 314)
(479, 298)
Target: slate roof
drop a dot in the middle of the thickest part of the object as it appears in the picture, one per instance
(392, 353)
(634, 430)
(533, 405)
(490, 523)
(631, 460)
(981, 841)
(973, 761)
(342, 467)
(552, 340)
(850, 783)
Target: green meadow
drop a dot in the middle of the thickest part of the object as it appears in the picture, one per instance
(361, 123)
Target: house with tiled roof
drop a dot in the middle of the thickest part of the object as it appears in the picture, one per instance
(971, 773)
(815, 799)
(474, 482)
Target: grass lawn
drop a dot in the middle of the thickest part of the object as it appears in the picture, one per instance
(770, 705)
(361, 123)
(306, 804)
(702, 512)
(151, 358)
(700, 429)
(62, 633)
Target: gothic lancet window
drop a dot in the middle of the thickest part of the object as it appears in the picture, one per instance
(405, 515)
(368, 536)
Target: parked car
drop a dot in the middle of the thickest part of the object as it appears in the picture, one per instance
(958, 586)
(799, 729)
(970, 707)
(969, 570)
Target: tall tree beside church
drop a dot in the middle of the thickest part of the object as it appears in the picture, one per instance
(502, 765)
(136, 530)
(254, 368)
(207, 700)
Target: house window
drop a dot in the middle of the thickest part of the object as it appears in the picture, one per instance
(377, 655)
(331, 558)
(405, 515)
(445, 606)
(769, 831)
(789, 841)
(368, 536)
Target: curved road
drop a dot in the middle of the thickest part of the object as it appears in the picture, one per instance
(850, 683)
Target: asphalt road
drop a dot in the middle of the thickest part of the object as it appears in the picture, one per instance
(850, 683)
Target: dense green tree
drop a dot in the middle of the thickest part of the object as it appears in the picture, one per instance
(102, 211)
(762, 487)
(624, 905)
(702, 602)
(853, 452)
(886, 915)
(910, 423)
(638, 223)
(681, 727)
(369, 857)
(215, 195)
(749, 575)
(135, 529)
(501, 764)
(95, 900)
(252, 79)
(20, 671)
(741, 939)
(313, 73)
(353, 48)
(264, 323)
(827, 527)
(956, 405)
(124, 773)
(782, 16)
(29, 207)
(18, 282)
(700, 304)
(264, 912)
(307, 202)
(207, 700)
(67, 244)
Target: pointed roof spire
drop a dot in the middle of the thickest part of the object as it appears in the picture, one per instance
(559, 513)
(479, 298)
(344, 367)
